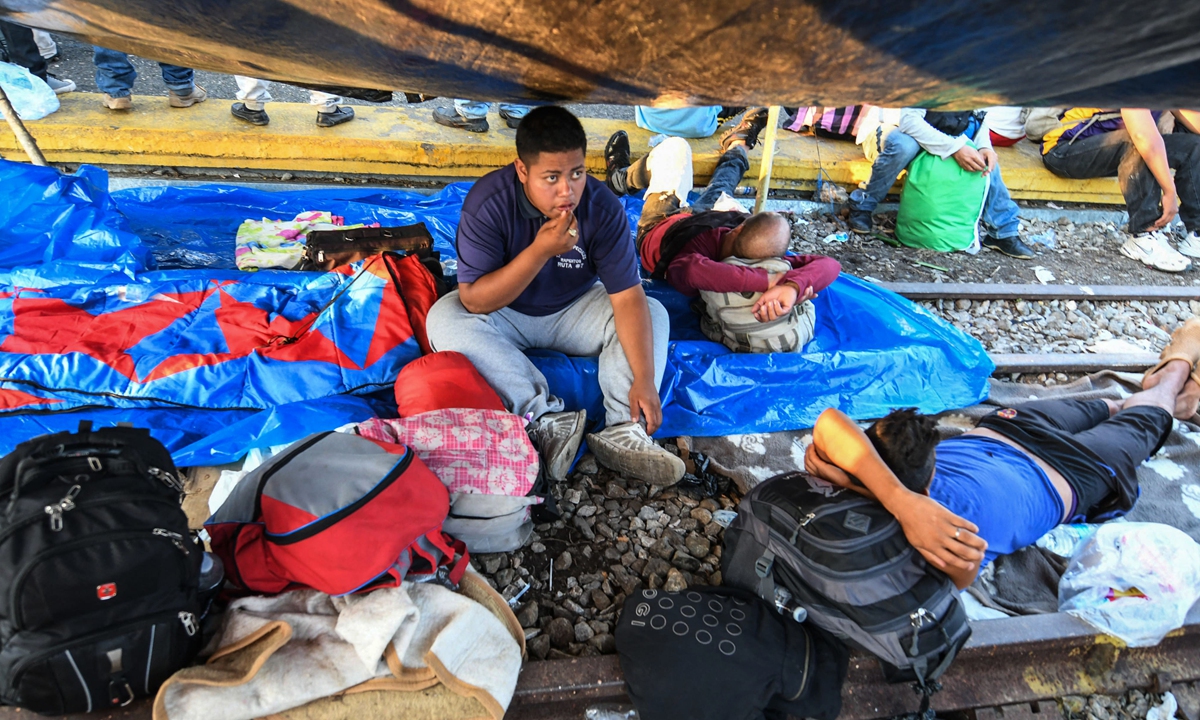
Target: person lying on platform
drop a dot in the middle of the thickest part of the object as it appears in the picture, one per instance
(1127, 144)
(685, 245)
(945, 134)
(545, 260)
(1022, 470)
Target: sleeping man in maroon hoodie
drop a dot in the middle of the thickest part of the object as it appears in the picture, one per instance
(685, 245)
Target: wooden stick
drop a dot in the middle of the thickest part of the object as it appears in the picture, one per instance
(768, 158)
(23, 137)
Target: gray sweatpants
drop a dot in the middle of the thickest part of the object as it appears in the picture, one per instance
(495, 343)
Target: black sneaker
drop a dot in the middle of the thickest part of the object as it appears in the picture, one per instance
(748, 129)
(449, 117)
(1010, 246)
(509, 119)
(341, 114)
(860, 221)
(254, 117)
(616, 162)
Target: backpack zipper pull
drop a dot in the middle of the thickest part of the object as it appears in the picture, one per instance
(174, 537)
(918, 619)
(166, 478)
(56, 510)
(189, 623)
(807, 519)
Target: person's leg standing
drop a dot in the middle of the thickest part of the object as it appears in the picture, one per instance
(23, 49)
(898, 151)
(512, 113)
(180, 81)
(253, 92)
(253, 95)
(731, 167)
(329, 110)
(115, 76)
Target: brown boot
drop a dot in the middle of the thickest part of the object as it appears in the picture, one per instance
(197, 95)
(117, 103)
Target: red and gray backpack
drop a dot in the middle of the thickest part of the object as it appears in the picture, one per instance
(337, 513)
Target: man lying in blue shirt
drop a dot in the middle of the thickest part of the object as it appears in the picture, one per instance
(1018, 474)
(546, 260)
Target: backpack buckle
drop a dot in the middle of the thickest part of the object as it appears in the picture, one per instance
(762, 566)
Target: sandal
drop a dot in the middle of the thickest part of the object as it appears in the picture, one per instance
(1184, 345)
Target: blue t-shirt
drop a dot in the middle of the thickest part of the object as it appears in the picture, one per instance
(498, 222)
(997, 487)
(692, 122)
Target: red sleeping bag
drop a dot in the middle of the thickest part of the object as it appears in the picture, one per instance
(440, 381)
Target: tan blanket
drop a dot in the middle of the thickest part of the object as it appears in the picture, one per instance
(417, 651)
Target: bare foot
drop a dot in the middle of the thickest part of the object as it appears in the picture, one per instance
(1187, 401)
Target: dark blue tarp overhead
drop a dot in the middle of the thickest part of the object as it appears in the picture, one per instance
(873, 350)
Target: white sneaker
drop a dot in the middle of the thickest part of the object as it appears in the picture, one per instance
(627, 449)
(1152, 249)
(557, 437)
(60, 86)
(1190, 245)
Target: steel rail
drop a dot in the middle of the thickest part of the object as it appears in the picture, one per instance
(1014, 663)
(1009, 669)
(1006, 291)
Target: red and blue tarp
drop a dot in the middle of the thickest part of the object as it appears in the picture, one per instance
(123, 307)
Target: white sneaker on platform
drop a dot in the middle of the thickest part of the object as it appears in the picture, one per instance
(1153, 250)
(627, 449)
(59, 85)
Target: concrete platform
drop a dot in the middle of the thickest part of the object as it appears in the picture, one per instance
(393, 141)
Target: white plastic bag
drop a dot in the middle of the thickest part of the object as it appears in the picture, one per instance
(1135, 581)
(30, 96)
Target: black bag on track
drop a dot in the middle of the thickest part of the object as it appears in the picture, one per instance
(713, 653)
(846, 561)
(98, 570)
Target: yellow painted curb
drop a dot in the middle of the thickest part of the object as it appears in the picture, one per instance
(406, 141)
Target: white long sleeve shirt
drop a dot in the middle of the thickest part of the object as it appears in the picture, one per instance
(936, 142)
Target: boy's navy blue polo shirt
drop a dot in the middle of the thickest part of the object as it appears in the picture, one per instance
(498, 222)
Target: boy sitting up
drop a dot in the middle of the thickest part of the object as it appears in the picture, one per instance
(1022, 470)
(686, 245)
(545, 261)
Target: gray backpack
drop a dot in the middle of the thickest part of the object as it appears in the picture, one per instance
(845, 560)
(728, 317)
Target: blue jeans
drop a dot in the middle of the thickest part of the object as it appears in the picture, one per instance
(999, 211)
(472, 110)
(115, 74)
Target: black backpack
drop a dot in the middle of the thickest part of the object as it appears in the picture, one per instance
(952, 123)
(98, 568)
(711, 653)
(846, 561)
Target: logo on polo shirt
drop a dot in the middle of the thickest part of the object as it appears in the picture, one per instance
(1007, 413)
(568, 262)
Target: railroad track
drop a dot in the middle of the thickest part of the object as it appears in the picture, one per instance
(1011, 669)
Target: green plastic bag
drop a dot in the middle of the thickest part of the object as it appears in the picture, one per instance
(941, 205)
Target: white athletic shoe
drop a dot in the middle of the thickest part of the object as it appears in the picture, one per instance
(557, 437)
(627, 449)
(1153, 250)
(60, 85)
(1190, 245)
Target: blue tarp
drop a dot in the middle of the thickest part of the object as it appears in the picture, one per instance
(873, 350)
